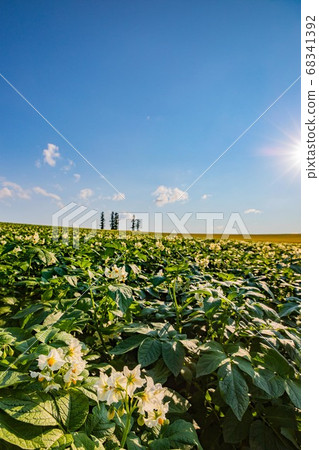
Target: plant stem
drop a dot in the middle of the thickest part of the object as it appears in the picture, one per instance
(96, 320)
(177, 309)
(126, 429)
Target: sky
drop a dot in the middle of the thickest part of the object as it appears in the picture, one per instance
(151, 93)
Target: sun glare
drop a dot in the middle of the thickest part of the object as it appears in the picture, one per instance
(286, 154)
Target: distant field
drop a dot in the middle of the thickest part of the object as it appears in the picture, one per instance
(289, 238)
(293, 238)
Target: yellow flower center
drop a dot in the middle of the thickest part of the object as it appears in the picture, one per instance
(131, 379)
(51, 361)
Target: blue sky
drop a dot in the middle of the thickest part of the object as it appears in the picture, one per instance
(151, 93)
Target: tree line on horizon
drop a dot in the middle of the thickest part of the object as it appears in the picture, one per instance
(114, 222)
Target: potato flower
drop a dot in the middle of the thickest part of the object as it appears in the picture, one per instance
(40, 376)
(111, 389)
(53, 361)
(75, 350)
(102, 387)
(156, 416)
(120, 387)
(151, 397)
(117, 273)
(133, 379)
(74, 373)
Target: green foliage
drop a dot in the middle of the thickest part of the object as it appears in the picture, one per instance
(217, 323)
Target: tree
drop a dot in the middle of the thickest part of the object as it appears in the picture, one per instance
(102, 221)
(133, 221)
(112, 221)
(116, 221)
(138, 224)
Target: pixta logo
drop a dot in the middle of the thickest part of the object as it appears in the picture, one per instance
(66, 223)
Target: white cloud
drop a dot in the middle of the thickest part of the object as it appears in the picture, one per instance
(38, 163)
(205, 196)
(86, 193)
(5, 192)
(16, 190)
(77, 177)
(252, 211)
(50, 154)
(39, 190)
(118, 197)
(164, 195)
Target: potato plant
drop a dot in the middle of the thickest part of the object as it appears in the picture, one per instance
(145, 343)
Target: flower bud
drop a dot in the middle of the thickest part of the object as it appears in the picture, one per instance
(111, 413)
(121, 411)
(140, 421)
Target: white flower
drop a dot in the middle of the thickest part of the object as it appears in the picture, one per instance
(152, 397)
(159, 245)
(35, 238)
(74, 373)
(133, 379)
(110, 389)
(53, 361)
(75, 350)
(40, 376)
(116, 384)
(157, 416)
(116, 273)
(102, 387)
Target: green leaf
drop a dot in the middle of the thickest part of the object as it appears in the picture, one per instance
(133, 442)
(281, 416)
(262, 437)
(181, 432)
(160, 444)
(149, 352)
(35, 408)
(27, 436)
(286, 309)
(245, 366)
(101, 426)
(177, 403)
(159, 372)
(45, 256)
(27, 311)
(275, 362)
(234, 431)
(63, 442)
(213, 357)
(234, 389)
(73, 409)
(122, 296)
(10, 378)
(269, 382)
(173, 355)
(290, 435)
(128, 344)
(82, 442)
(293, 389)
